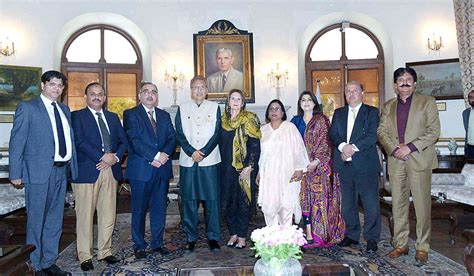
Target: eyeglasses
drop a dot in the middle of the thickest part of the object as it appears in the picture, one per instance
(54, 85)
(93, 95)
(198, 87)
(149, 92)
(275, 109)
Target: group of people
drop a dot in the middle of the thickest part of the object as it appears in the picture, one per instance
(307, 170)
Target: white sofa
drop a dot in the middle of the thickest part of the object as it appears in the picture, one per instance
(456, 186)
(11, 199)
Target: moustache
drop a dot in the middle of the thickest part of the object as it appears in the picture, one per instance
(405, 85)
(149, 98)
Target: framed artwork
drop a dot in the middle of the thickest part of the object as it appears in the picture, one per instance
(439, 78)
(18, 83)
(224, 55)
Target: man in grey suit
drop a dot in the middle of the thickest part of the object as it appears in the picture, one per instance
(227, 78)
(468, 120)
(42, 152)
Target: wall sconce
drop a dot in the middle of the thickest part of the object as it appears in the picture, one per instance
(7, 47)
(434, 44)
(175, 80)
(277, 79)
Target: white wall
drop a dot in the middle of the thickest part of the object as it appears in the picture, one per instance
(281, 31)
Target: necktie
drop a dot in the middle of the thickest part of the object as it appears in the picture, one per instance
(353, 114)
(60, 131)
(152, 120)
(106, 140)
(224, 79)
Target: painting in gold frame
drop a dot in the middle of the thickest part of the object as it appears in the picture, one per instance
(224, 35)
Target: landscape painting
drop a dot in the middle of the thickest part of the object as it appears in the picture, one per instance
(18, 83)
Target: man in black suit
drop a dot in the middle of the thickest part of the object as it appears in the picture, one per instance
(100, 143)
(152, 141)
(354, 136)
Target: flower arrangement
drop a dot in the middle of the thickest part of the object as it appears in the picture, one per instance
(275, 244)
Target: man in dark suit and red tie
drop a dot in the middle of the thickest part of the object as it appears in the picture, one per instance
(152, 141)
(101, 143)
(42, 153)
(354, 136)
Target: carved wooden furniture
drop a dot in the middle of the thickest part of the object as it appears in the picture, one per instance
(16, 261)
(438, 211)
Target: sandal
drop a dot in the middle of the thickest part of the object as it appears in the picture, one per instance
(241, 244)
(232, 241)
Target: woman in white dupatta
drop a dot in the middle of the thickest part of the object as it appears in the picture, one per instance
(283, 161)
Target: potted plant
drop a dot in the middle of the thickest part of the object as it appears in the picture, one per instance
(279, 249)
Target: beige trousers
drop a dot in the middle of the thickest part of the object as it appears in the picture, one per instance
(283, 217)
(101, 195)
(402, 182)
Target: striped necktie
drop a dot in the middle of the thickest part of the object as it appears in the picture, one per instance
(152, 120)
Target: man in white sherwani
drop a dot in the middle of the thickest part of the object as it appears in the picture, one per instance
(197, 130)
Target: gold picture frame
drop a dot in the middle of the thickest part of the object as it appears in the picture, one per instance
(224, 35)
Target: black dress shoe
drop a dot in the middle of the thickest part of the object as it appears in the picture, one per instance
(162, 250)
(140, 254)
(214, 245)
(87, 265)
(190, 246)
(111, 259)
(372, 246)
(347, 242)
(40, 273)
(56, 271)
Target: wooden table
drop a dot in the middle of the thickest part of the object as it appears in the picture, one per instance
(308, 269)
(438, 211)
(17, 261)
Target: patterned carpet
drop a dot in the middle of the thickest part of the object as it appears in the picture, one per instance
(369, 263)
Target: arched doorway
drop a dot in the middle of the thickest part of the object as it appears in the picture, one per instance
(341, 53)
(104, 54)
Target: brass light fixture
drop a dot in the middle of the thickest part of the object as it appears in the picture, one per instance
(7, 47)
(175, 81)
(277, 79)
(435, 43)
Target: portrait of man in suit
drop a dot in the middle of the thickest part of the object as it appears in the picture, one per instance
(408, 130)
(227, 78)
(42, 155)
(468, 120)
(151, 141)
(100, 143)
(354, 136)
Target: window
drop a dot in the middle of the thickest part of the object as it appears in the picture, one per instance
(341, 53)
(104, 54)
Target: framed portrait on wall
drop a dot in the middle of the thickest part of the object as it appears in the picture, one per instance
(224, 55)
(439, 78)
(18, 83)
